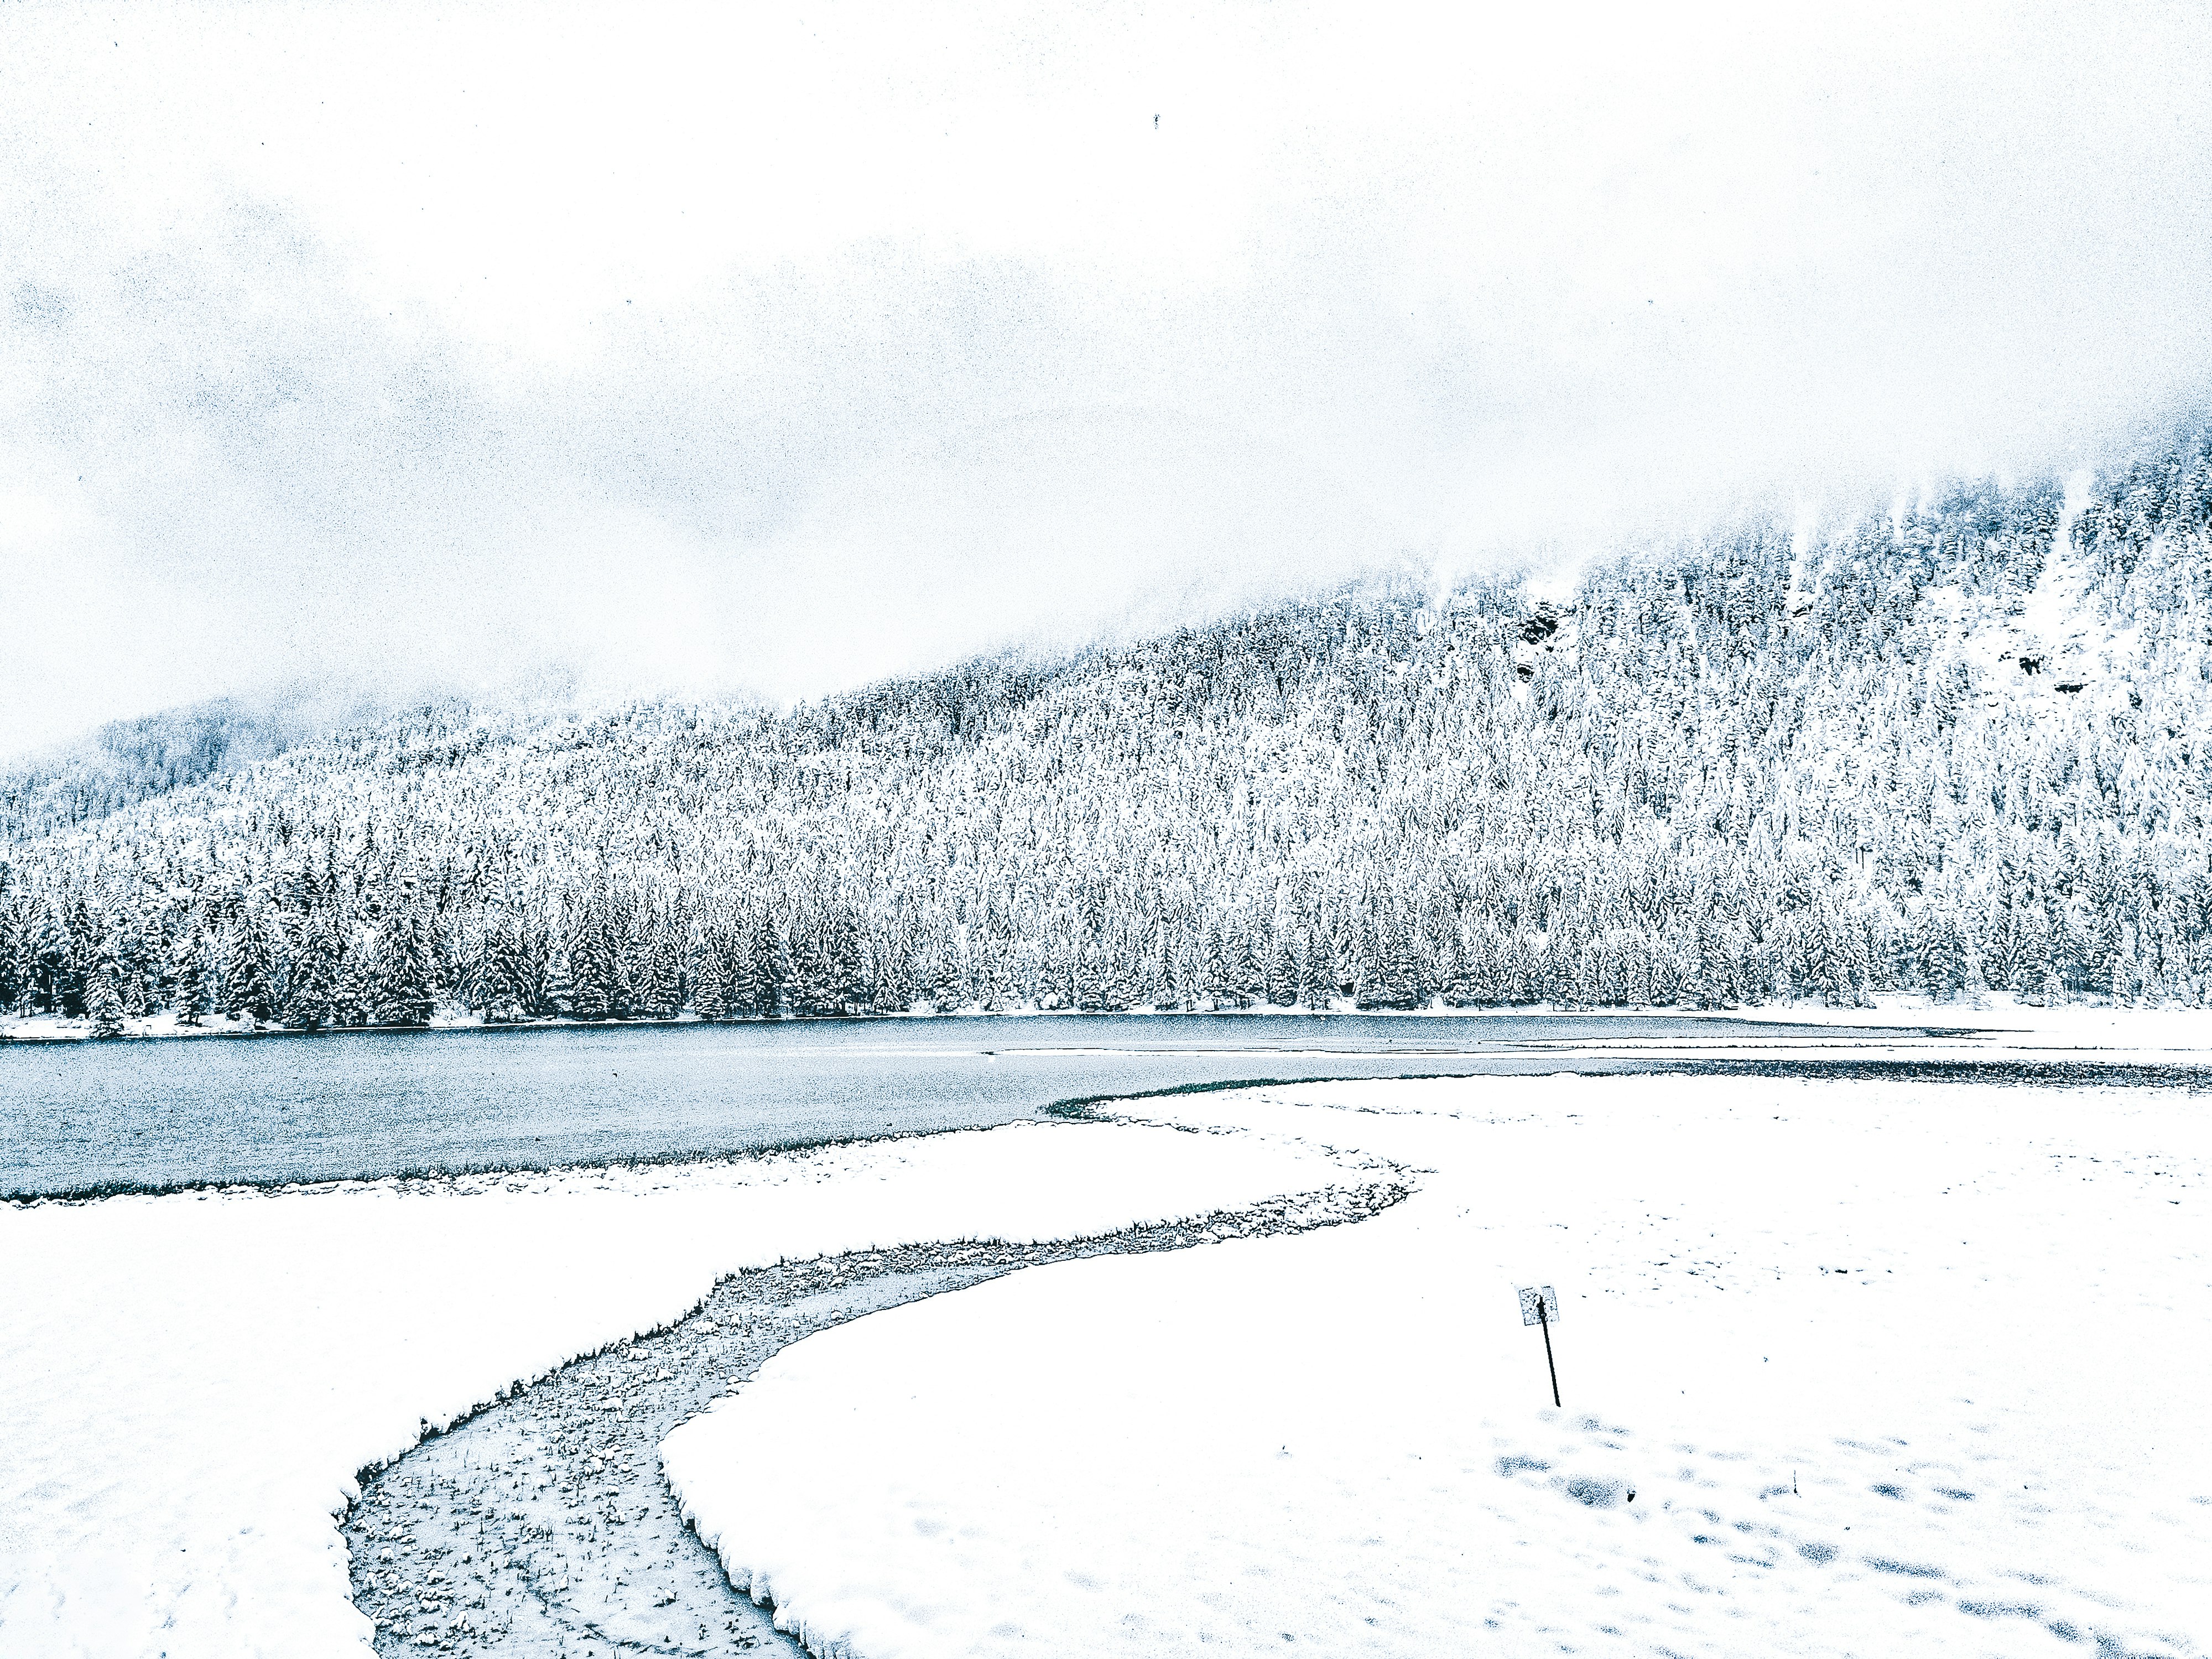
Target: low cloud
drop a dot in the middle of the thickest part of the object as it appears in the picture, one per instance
(694, 376)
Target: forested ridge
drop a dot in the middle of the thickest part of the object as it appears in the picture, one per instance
(128, 761)
(1960, 746)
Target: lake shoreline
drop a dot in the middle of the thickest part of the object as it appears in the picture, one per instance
(92, 1119)
(56, 1028)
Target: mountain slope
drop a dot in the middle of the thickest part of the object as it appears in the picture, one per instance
(1969, 746)
(126, 762)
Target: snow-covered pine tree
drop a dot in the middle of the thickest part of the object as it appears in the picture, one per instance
(1281, 976)
(103, 1003)
(591, 967)
(1094, 990)
(189, 993)
(743, 995)
(488, 975)
(555, 997)
(843, 985)
(249, 991)
(311, 1000)
(771, 965)
(660, 992)
(892, 991)
(2034, 968)
(709, 1000)
(630, 950)
(402, 969)
(353, 1002)
(1943, 962)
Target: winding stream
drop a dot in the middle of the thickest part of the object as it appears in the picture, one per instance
(542, 1526)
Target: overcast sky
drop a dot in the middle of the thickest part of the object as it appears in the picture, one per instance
(782, 346)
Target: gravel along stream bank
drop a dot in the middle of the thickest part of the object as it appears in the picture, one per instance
(542, 1525)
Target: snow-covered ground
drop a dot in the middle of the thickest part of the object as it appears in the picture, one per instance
(56, 1028)
(189, 1384)
(2078, 1030)
(1849, 1368)
(2056, 648)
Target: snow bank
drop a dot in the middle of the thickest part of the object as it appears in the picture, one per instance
(1849, 1368)
(2007, 1028)
(189, 1383)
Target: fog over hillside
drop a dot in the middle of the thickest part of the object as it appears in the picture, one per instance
(1965, 749)
(699, 352)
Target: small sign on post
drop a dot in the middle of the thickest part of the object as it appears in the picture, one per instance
(1539, 1305)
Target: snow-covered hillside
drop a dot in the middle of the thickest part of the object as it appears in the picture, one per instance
(1967, 745)
(129, 761)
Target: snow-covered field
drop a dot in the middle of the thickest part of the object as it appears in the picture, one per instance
(1849, 1368)
(189, 1384)
(1886, 1367)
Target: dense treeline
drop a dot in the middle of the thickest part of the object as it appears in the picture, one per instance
(1738, 771)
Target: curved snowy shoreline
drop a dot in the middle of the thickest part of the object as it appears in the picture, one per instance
(191, 1381)
(1836, 1358)
(543, 1519)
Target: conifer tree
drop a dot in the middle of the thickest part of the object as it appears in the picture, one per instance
(103, 1003)
(1318, 975)
(248, 989)
(189, 993)
(630, 955)
(353, 1002)
(2124, 970)
(892, 992)
(660, 993)
(491, 981)
(708, 999)
(741, 994)
(311, 1000)
(1282, 973)
(591, 973)
(1973, 983)
(402, 970)
(772, 965)
(555, 997)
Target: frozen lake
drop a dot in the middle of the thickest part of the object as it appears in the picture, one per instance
(75, 1117)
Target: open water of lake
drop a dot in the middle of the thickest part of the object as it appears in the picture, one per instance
(79, 1117)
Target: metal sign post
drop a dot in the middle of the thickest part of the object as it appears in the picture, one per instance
(1539, 1305)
